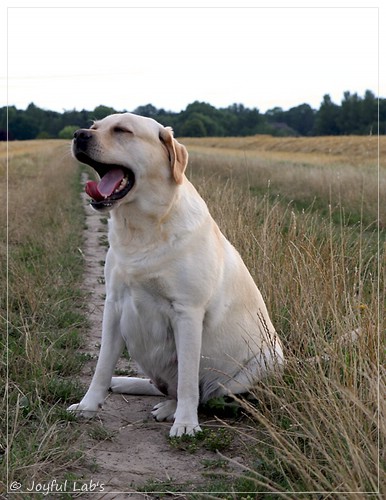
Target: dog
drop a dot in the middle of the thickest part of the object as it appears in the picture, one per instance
(177, 292)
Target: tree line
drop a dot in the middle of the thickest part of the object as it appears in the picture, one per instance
(355, 115)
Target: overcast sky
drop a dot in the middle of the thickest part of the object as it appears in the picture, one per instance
(66, 58)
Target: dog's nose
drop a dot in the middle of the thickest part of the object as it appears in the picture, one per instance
(82, 139)
(82, 135)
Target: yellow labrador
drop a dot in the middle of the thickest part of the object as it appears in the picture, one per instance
(177, 292)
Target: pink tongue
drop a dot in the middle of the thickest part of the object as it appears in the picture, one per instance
(106, 186)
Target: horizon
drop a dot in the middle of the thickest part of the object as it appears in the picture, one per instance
(171, 111)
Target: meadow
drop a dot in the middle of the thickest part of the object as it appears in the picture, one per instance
(44, 268)
(304, 214)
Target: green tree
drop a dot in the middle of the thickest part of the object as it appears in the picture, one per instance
(355, 115)
(147, 110)
(193, 127)
(68, 132)
(300, 118)
(208, 115)
(382, 118)
(83, 118)
(349, 121)
(326, 120)
(102, 111)
(275, 115)
(22, 127)
(369, 113)
(248, 121)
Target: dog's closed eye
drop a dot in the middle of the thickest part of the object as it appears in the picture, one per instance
(122, 130)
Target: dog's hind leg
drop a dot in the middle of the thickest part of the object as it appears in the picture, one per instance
(134, 385)
(269, 360)
(165, 410)
(144, 387)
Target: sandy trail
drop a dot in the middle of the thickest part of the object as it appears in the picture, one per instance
(130, 449)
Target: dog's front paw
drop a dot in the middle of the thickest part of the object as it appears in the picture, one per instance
(84, 410)
(181, 429)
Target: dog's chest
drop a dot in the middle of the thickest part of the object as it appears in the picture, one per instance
(155, 288)
(146, 325)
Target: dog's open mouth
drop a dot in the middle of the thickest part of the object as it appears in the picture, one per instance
(115, 182)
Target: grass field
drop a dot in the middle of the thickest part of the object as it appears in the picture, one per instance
(303, 214)
(45, 320)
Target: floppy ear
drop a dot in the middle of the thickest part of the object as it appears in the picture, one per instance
(178, 154)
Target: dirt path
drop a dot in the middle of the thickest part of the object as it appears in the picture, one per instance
(125, 449)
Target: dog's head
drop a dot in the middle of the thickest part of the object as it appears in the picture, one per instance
(133, 156)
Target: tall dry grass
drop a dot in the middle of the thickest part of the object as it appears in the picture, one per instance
(350, 182)
(321, 427)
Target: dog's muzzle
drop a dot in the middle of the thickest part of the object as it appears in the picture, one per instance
(115, 180)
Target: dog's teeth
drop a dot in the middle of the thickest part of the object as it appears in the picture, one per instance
(122, 185)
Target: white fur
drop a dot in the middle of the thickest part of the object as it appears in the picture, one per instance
(177, 292)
